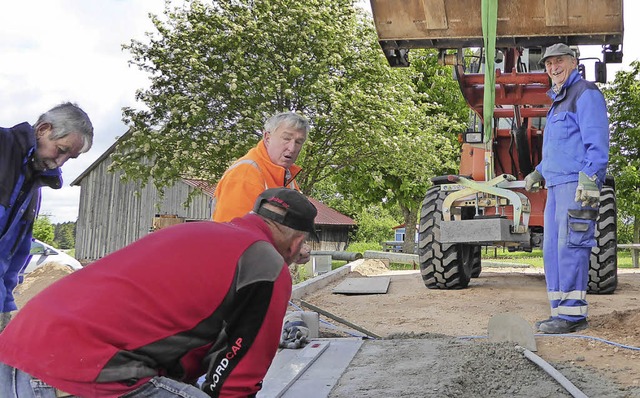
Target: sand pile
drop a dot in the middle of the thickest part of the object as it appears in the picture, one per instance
(38, 280)
(370, 267)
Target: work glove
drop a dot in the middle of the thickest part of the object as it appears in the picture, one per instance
(533, 181)
(294, 331)
(587, 191)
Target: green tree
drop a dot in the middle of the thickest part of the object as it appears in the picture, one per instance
(423, 144)
(218, 70)
(623, 97)
(43, 230)
(375, 224)
(65, 235)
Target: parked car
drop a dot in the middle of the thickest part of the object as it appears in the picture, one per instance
(41, 253)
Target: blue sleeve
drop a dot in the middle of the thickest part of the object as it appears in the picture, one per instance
(17, 263)
(594, 128)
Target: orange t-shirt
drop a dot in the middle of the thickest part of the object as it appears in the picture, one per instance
(245, 180)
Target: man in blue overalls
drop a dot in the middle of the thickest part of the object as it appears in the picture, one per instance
(30, 158)
(575, 152)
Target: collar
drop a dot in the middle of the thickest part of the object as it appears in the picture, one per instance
(262, 151)
(554, 91)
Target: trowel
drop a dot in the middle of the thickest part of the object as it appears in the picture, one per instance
(510, 327)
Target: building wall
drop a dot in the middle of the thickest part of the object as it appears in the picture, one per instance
(112, 215)
(332, 238)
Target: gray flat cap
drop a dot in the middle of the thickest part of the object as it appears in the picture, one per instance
(557, 50)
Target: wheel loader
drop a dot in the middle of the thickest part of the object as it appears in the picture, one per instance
(486, 204)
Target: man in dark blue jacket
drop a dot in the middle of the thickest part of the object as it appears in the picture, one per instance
(575, 153)
(30, 157)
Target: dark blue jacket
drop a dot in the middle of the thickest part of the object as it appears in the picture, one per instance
(576, 135)
(19, 204)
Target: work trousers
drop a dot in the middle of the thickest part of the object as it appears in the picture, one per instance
(15, 383)
(569, 235)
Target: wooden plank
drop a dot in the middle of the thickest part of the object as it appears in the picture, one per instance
(556, 12)
(367, 285)
(288, 366)
(529, 22)
(635, 246)
(435, 16)
(337, 318)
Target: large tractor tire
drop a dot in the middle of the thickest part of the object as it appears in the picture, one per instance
(443, 266)
(476, 267)
(603, 267)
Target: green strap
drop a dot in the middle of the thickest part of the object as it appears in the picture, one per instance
(489, 27)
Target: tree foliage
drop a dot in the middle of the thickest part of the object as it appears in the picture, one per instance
(375, 224)
(65, 235)
(420, 146)
(623, 97)
(43, 230)
(219, 69)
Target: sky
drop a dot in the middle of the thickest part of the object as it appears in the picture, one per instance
(53, 51)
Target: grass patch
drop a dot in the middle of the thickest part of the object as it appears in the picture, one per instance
(534, 258)
(502, 255)
(498, 254)
(624, 259)
(361, 247)
(403, 266)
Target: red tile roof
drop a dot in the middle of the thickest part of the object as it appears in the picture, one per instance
(326, 215)
(204, 186)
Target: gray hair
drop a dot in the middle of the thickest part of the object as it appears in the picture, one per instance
(65, 119)
(297, 122)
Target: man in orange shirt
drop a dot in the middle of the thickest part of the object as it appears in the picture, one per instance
(270, 164)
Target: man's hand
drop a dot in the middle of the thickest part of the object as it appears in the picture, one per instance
(533, 181)
(294, 332)
(587, 191)
(305, 254)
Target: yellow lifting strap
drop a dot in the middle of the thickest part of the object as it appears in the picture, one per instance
(489, 27)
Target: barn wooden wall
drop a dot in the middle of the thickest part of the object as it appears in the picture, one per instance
(332, 238)
(111, 215)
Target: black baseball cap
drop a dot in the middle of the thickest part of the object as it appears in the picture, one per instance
(299, 212)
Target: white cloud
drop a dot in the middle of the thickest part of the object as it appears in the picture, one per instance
(70, 50)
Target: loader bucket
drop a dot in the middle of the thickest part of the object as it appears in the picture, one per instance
(406, 24)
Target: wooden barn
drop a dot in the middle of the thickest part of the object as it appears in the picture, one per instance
(333, 228)
(114, 213)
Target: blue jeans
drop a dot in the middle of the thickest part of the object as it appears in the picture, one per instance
(15, 383)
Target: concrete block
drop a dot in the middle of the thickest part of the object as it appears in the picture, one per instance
(321, 264)
(482, 231)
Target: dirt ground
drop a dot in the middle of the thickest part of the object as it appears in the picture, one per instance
(409, 309)
(434, 341)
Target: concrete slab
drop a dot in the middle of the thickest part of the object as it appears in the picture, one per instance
(288, 366)
(320, 378)
(368, 285)
(391, 368)
(311, 285)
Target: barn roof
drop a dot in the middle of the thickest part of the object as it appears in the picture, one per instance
(204, 186)
(326, 215)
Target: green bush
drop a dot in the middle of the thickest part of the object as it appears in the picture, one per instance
(375, 224)
(361, 247)
(43, 230)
